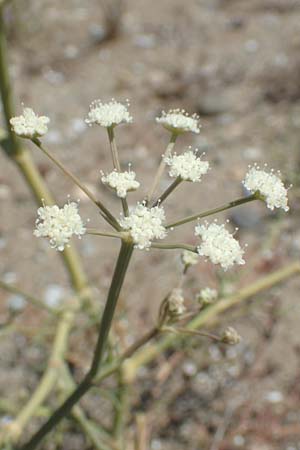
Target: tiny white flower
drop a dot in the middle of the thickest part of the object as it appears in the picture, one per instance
(176, 302)
(269, 185)
(59, 224)
(189, 258)
(219, 245)
(144, 225)
(108, 114)
(121, 182)
(29, 125)
(178, 121)
(187, 166)
(208, 295)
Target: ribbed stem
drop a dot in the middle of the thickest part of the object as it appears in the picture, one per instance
(106, 321)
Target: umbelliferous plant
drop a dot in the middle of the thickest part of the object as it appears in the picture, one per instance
(143, 226)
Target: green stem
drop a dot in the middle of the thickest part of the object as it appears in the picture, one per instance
(210, 212)
(161, 168)
(106, 321)
(179, 330)
(120, 409)
(166, 246)
(96, 232)
(98, 436)
(25, 163)
(168, 191)
(208, 315)
(5, 88)
(106, 213)
(116, 162)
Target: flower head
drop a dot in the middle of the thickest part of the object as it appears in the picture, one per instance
(219, 245)
(269, 186)
(59, 224)
(187, 166)
(29, 125)
(121, 182)
(144, 225)
(176, 302)
(189, 258)
(208, 295)
(108, 114)
(178, 121)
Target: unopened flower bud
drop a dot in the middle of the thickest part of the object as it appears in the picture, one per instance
(230, 336)
(176, 302)
(207, 296)
(189, 258)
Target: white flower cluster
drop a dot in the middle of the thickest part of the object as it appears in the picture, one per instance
(189, 258)
(29, 125)
(187, 166)
(176, 302)
(59, 224)
(121, 182)
(178, 121)
(269, 185)
(219, 245)
(144, 225)
(208, 295)
(108, 114)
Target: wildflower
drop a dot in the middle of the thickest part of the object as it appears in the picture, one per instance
(29, 125)
(187, 166)
(178, 121)
(269, 186)
(230, 336)
(121, 182)
(108, 114)
(219, 245)
(59, 224)
(207, 295)
(189, 258)
(145, 224)
(176, 302)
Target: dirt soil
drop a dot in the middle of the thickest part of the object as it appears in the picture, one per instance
(236, 63)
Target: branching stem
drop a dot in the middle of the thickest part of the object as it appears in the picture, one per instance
(168, 191)
(106, 213)
(106, 321)
(161, 168)
(210, 212)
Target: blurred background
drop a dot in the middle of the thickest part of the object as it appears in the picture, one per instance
(237, 64)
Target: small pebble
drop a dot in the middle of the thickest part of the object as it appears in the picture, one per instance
(274, 397)
(16, 302)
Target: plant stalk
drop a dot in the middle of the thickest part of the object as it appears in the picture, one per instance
(210, 212)
(116, 162)
(106, 321)
(168, 191)
(106, 213)
(161, 168)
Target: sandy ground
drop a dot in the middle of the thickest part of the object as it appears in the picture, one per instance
(237, 64)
